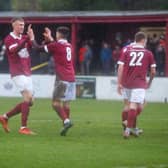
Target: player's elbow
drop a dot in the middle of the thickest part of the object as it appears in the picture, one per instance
(120, 69)
(153, 72)
(13, 50)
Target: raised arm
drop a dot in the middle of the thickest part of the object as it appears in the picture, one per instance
(47, 35)
(31, 36)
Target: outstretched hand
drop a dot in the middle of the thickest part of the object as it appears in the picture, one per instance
(47, 35)
(30, 33)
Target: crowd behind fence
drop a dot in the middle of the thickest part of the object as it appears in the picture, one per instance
(93, 59)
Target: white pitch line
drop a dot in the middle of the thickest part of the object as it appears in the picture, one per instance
(153, 166)
(85, 120)
(42, 120)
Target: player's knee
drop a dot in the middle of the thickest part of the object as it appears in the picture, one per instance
(66, 105)
(126, 108)
(139, 110)
(56, 104)
(28, 97)
(31, 103)
(29, 100)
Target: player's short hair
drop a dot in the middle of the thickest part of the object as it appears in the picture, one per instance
(140, 36)
(17, 19)
(64, 31)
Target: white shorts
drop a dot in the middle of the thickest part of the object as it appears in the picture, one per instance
(134, 95)
(64, 90)
(23, 82)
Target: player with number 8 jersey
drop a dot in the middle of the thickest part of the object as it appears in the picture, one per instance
(62, 53)
(64, 87)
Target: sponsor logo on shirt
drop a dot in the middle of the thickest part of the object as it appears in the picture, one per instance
(23, 53)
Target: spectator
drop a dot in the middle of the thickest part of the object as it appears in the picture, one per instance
(152, 43)
(105, 56)
(162, 41)
(118, 38)
(115, 56)
(87, 59)
(82, 52)
(128, 41)
(2, 50)
(160, 59)
(95, 62)
(3, 58)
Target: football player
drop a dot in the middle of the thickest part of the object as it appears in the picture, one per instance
(64, 87)
(18, 47)
(134, 63)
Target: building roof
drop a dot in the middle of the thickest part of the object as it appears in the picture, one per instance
(87, 16)
(83, 13)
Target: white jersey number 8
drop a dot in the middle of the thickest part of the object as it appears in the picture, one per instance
(136, 59)
(68, 52)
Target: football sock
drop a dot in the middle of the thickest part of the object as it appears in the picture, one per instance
(124, 115)
(131, 118)
(25, 112)
(135, 123)
(22, 127)
(67, 111)
(14, 111)
(61, 113)
(139, 110)
(66, 121)
(5, 116)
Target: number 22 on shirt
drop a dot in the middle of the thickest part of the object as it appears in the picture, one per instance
(136, 58)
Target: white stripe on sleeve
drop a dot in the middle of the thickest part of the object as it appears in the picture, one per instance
(120, 63)
(153, 65)
(45, 48)
(13, 45)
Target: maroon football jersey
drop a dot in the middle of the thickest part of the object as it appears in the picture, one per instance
(20, 62)
(62, 53)
(137, 60)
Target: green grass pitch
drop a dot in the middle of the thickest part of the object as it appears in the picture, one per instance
(95, 141)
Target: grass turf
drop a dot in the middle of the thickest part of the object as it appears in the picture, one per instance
(95, 141)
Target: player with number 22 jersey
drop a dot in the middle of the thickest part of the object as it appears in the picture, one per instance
(137, 60)
(134, 63)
